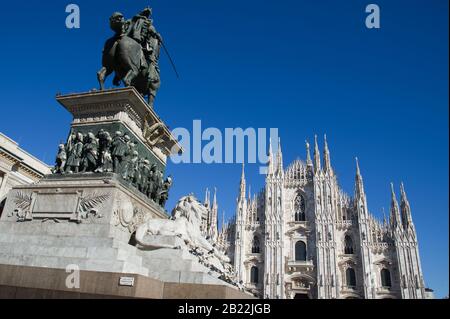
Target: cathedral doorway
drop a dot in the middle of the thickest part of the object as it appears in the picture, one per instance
(301, 296)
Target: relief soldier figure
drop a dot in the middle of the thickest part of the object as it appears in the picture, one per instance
(164, 193)
(61, 160)
(133, 168)
(107, 162)
(75, 154)
(104, 159)
(157, 185)
(129, 149)
(90, 153)
(145, 174)
(150, 183)
(71, 141)
(118, 151)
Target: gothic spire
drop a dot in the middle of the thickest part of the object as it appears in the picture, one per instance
(270, 161)
(279, 158)
(316, 155)
(308, 154)
(270, 146)
(242, 185)
(326, 157)
(223, 220)
(358, 171)
(214, 218)
(214, 204)
(207, 198)
(405, 208)
(359, 184)
(395, 212)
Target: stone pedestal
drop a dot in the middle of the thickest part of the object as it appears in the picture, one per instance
(122, 110)
(89, 219)
(80, 219)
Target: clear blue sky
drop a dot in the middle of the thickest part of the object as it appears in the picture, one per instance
(305, 67)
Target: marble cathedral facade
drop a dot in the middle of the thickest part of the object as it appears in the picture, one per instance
(303, 237)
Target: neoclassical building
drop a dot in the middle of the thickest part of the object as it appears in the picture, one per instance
(303, 237)
(17, 167)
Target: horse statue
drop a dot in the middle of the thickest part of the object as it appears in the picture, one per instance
(133, 54)
(185, 224)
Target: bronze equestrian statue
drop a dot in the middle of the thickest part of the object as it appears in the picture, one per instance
(133, 54)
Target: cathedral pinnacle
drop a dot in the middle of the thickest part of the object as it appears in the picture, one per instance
(270, 161)
(405, 208)
(308, 154)
(207, 198)
(223, 220)
(384, 219)
(214, 204)
(242, 185)
(270, 147)
(359, 184)
(326, 157)
(358, 171)
(395, 212)
(279, 158)
(316, 155)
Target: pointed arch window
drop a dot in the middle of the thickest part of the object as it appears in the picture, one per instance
(299, 209)
(350, 277)
(385, 278)
(300, 251)
(348, 245)
(254, 275)
(256, 246)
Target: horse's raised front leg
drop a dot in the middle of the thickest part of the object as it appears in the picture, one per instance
(101, 76)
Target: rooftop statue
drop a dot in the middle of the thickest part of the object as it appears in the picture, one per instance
(133, 54)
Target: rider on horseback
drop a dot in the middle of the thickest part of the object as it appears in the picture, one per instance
(133, 54)
(143, 31)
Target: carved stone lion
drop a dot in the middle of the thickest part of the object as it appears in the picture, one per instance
(185, 224)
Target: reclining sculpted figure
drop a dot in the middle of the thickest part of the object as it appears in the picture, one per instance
(185, 224)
